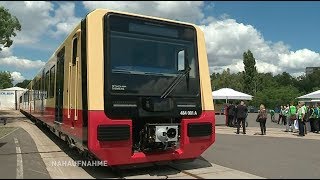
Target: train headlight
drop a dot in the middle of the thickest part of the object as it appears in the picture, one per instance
(161, 135)
(172, 133)
(166, 134)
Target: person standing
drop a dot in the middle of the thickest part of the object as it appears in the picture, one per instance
(312, 117)
(241, 115)
(305, 117)
(316, 121)
(272, 115)
(262, 118)
(285, 114)
(291, 117)
(280, 114)
(301, 114)
(231, 112)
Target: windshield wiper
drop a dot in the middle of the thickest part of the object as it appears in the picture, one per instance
(175, 82)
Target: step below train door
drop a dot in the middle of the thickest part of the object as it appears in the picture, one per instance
(59, 86)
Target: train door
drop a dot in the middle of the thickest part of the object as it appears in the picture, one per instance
(59, 86)
(73, 83)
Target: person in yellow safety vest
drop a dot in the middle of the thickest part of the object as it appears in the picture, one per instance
(291, 117)
(301, 114)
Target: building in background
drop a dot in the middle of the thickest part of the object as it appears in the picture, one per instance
(9, 98)
(310, 70)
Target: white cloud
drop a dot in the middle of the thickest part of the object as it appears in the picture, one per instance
(227, 40)
(190, 11)
(34, 17)
(19, 63)
(17, 77)
(65, 19)
(300, 59)
(37, 18)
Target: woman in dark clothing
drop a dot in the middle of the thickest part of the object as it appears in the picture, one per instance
(262, 118)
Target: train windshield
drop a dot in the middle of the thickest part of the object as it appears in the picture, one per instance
(145, 57)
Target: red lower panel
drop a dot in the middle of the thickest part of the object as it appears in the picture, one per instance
(69, 126)
(120, 153)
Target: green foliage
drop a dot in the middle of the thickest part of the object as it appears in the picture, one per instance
(23, 84)
(226, 79)
(5, 80)
(8, 25)
(273, 97)
(250, 73)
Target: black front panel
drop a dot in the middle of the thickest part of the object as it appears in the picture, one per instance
(199, 129)
(145, 63)
(113, 132)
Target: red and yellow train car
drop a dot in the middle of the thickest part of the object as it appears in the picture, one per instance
(128, 89)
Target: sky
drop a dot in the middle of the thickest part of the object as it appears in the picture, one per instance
(283, 36)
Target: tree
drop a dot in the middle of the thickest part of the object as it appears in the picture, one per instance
(273, 97)
(284, 79)
(5, 80)
(23, 84)
(227, 80)
(8, 25)
(250, 73)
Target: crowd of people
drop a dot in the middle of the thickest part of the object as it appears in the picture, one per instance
(299, 117)
(295, 118)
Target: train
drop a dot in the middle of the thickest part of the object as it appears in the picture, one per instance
(127, 89)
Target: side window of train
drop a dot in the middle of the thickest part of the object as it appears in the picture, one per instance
(52, 81)
(32, 91)
(35, 90)
(74, 50)
(47, 80)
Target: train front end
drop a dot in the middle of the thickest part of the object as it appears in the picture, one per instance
(155, 102)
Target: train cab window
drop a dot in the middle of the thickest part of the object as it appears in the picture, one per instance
(20, 99)
(52, 81)
(74, 51)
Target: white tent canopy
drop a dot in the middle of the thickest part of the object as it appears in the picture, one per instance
(313, 95)
(14, 89)
(228, 93)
